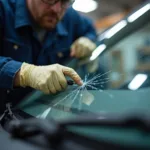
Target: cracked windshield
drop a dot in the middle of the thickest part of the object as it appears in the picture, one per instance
(114, 69)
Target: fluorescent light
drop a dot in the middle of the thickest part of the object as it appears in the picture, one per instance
(85, 5)
(98, 51)
(137, 81)
(115, 29)
(138, 13)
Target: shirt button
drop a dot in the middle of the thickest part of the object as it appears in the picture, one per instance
(16, 47)
(60, 55)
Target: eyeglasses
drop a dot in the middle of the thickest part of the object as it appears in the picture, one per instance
(64, 3)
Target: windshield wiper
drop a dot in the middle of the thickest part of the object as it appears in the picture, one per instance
(57, 133)
(53, 130)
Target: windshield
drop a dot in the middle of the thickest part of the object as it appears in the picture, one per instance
(117, 81)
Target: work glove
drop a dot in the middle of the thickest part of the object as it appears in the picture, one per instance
(82, 47)
(48, 79)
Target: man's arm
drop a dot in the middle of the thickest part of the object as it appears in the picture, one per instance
(49, 79)
(8, 67)
(84, 34)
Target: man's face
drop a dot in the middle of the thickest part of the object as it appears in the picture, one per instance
(45, 15)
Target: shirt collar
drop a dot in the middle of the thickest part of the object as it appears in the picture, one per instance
(22, 17)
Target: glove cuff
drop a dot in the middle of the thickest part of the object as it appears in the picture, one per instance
(25, 73)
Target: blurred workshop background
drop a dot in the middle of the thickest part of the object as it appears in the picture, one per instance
(129, 57)
(106, 12)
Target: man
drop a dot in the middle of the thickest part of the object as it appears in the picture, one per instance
(35, 35)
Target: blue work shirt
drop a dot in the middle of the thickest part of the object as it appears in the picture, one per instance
(19, 43)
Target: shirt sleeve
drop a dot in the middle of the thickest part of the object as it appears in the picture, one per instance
(8, 67)
(82, 25)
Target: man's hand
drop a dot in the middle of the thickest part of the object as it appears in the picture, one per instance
(49, 79)
(82, 47)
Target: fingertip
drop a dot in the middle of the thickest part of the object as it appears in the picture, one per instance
(80, 83)
(73, 75)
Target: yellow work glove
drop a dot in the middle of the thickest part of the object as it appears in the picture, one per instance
(48, 79)
(82, 47)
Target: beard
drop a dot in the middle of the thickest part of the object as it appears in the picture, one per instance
(49, 21)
